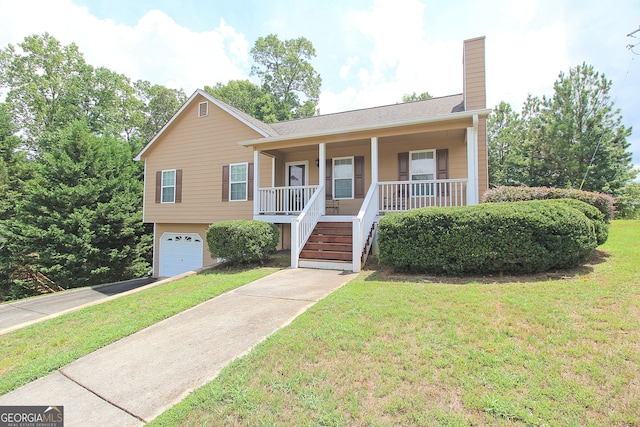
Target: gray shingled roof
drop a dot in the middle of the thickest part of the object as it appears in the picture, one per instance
(371, 116)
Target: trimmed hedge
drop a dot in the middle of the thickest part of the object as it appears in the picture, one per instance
(516, 237)
(598, 219)
(242, 241)
(603, 202)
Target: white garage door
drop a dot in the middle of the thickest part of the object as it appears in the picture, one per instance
(180, 252)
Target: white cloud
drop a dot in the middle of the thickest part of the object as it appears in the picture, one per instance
(525, 62)
(155, 49)
(345, 70)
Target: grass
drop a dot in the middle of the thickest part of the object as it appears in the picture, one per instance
(37, 350)
(558, 349)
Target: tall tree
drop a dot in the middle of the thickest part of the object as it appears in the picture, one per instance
(573, 139)
(81, 215)
(416, 97)
(583, 125)
(286, 73)
(247, 97)
(46, 82)
(15, 170)
(159, 105)
(507, 165)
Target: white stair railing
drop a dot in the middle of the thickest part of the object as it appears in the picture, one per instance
(362, 226)
(302, 226)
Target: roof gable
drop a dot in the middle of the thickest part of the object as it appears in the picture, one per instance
(262, 128)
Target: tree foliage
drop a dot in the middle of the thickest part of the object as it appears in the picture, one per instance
(416, 97)
(15, 170)
(81, 215)
(286, 73)
(248, 97)
(554, 140)
(159, 104)
(72, 195)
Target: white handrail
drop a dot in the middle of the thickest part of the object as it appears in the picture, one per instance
(302, 226)
(397, 196)
(284, 200)
(363, 224)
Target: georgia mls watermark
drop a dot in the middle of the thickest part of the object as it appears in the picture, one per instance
(31, 416)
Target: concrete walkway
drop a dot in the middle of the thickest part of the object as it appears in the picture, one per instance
(137, 378)
(18, 314)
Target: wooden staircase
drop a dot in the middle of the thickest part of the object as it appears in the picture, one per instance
(329, 242)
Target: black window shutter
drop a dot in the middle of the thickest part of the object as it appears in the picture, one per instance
(403, 166)
(442, 163)
(329, 181)
(225, 183)
(158, 186)
(178, 186)
(358, 175)
(250, 182)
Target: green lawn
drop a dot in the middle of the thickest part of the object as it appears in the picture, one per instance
(37, 350)
(559, 349)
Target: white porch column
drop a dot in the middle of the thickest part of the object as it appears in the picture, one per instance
(322, 176)
(256, 183)
(374, 160)
(273, 171)
(472, 162)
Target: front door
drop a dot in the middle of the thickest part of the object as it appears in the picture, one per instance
(297, 177)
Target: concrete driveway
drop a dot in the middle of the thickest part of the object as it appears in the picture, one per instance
(134, 380)
(14, 315)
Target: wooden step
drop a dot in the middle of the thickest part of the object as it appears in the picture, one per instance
(334, 225)
(317, 238)
(325, 255)
(328, 246)
(332, 232)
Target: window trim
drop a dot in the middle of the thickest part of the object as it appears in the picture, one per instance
(334, 179)
(246, 182)
(431, 192)
(162, 186)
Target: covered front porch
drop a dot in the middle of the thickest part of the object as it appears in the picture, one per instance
(356, 180)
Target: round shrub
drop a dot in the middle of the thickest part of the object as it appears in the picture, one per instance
(597, 218)
(603, 202)
(514, 237)
(242, 241)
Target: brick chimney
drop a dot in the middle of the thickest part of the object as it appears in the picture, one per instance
(475, 92)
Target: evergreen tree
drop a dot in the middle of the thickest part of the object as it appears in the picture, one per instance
(15, 169)
(573, 139)
(80, 219)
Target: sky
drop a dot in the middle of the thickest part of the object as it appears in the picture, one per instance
(369, 52)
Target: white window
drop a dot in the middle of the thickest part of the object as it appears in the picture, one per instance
(343, 178)
(423, 168)
(203, 109)
(238, 181)
(168, 186)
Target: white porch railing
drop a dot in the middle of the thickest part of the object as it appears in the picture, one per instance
(397, 196)
(302, 226)
(284, 200)
(362, 225)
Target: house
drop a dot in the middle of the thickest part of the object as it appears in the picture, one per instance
(324, 181)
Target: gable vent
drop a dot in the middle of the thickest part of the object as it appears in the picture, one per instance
(203, 109)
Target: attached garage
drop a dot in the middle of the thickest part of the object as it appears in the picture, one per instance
(179, 253)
